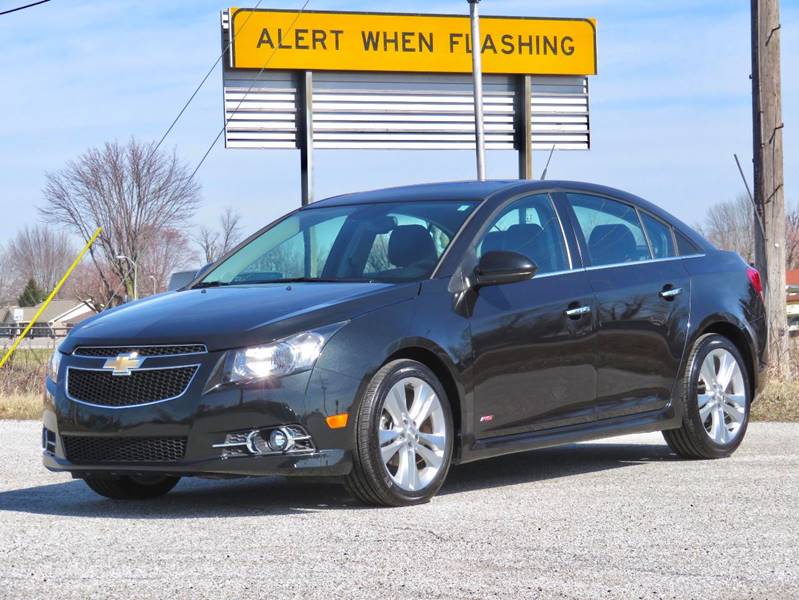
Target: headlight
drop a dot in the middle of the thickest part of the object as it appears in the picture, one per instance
(52, 366)
(284, 357)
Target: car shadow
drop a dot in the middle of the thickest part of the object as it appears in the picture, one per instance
(197, 498)
(551, 463)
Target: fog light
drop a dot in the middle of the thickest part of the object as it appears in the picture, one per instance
(278, 440)
(48, 440)
(287, 439)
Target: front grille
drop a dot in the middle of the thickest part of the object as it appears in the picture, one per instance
(103, 388)
(82, 449)
(113, 351)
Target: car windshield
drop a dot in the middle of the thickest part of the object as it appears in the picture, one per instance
(395, 242)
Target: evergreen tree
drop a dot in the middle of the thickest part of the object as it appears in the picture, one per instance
(31, 295)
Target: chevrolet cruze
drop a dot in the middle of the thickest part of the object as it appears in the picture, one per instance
(379, 338)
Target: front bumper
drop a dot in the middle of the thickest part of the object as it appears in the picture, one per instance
(203, 419)
(323, 463)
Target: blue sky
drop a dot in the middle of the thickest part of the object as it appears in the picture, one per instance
(669, 107)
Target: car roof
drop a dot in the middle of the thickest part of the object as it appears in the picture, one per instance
(425, 192)
(480, 190)
(467, 190)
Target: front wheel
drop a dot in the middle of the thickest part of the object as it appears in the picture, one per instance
(404, 437)
(716, 398)
(130, 487)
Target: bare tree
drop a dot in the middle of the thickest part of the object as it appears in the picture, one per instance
(169, 252)
(9, 287)
(133, 192)
(730, 226)
(86, 286)
(39, 253)
(792, 238)
(217, 242)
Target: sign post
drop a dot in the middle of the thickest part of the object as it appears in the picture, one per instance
(305, 134)
(477, 76)
(523, 129)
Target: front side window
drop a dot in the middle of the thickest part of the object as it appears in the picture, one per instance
(369, 242)
(611, 229)
(529, 227)
(379, 256)
(659, 236)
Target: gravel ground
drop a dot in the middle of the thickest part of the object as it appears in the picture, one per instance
(622, 518)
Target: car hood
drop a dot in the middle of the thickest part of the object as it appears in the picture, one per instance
(236, 316)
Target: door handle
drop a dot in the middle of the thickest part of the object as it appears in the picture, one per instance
(576, 313)
(670, 293)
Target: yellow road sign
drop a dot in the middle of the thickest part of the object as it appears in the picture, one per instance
(327, 41)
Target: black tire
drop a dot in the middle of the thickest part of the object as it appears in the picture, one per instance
(370, 482)
(691, 440)
(126, 487)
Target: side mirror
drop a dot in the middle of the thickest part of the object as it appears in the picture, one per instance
(204, 270)
(180, 280)
(499, 267)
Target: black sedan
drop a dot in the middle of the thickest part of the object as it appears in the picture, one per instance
(381, 337)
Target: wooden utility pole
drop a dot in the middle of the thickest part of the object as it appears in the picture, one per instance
(768, 176)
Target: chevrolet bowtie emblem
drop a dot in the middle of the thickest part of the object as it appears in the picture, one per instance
(124, 363)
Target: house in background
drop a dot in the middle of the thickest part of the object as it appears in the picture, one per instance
(792, 288)
(57, 319)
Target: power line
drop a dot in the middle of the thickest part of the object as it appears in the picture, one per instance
(5, 12)
(247, 93)
(202, 83)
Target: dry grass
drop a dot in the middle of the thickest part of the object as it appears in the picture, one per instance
(28, 406)
(779, 401)
(21, 381)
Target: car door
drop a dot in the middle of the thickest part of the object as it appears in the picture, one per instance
(643, 299)
(533, 341)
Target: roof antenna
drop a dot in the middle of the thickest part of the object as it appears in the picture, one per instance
(749, 192)
(544, 174)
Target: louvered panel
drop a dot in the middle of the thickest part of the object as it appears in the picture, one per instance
(397, 105)
(260, 112)
(408, 118)
(407, 127)
(395, 110)
(411, 137)
(243, 141)
(270, 119)
(394, 145)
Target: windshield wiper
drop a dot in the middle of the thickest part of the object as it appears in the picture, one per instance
(209, 284)
(289, 280)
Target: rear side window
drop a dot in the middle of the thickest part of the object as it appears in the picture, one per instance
(611, 229)
(685, 246)
(530, 227)
(659, 236)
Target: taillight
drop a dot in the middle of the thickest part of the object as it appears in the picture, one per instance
(754, 279)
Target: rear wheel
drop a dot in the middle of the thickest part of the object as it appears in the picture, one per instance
(131, 487)
(716, 400)
(404, 437)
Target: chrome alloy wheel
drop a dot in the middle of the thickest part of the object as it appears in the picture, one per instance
(721, 396)
(412, 434)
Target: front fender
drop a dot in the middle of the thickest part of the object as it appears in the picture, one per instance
(348, 362)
